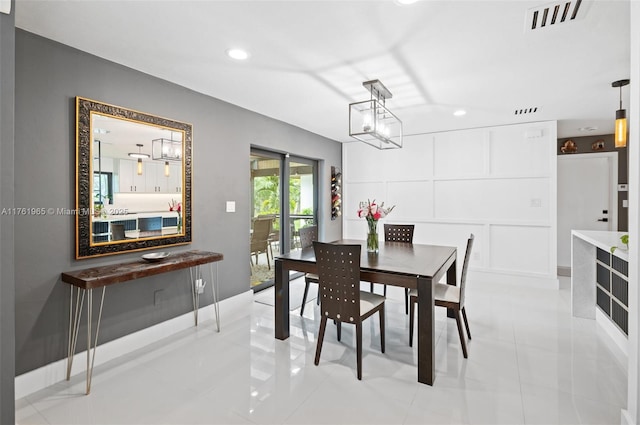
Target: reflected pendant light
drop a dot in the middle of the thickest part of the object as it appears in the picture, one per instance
(166, 168)
(139, 155)
(621, 118)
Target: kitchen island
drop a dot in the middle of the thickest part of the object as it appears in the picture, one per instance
(599, 281)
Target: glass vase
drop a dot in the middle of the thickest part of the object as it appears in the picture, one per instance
(179, 223)
(372, 237)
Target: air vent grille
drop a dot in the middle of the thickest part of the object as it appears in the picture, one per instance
(552, 14)
(526, 111)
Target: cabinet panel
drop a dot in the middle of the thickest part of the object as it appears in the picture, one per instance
(130, 180)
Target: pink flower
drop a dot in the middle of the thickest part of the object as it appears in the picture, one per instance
(372, 211)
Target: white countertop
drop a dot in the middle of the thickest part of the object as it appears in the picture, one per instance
(604, 240)
(134, 216)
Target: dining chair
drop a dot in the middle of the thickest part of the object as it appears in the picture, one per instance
(307, 236)
(341, 299)
(117, 232)
(260, 239)
(398, 233)
(448, 296)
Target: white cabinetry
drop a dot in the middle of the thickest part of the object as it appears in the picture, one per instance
(156, 181)
(130, 180)
(174, 182)
(153, 178)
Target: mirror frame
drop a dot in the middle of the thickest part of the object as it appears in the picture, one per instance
(84, 199)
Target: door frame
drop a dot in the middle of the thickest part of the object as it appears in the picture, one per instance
(612, 158)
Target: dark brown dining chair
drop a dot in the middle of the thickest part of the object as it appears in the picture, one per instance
(448, 296)
(307, 236)
(260, 239)
(398, 233)
(341, 299)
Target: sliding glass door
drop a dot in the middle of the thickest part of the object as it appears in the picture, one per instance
(279, 210)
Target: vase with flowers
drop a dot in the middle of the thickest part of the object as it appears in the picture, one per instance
(177, 207)
(373, 212)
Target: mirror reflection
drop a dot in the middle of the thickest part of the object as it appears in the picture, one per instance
(133, 180)
(137, 180)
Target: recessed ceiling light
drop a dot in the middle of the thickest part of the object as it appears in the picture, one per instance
(238, 54)
(406, 1)
(589, 128)
(460, 112)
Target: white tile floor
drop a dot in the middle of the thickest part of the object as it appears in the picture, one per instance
(529, 362)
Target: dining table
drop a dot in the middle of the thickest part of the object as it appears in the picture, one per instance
(398, 264)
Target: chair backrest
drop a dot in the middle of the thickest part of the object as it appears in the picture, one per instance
(307, 236)
(399, 233)
(117, 232)
(260, 235)
(465, 265)
(339, 276)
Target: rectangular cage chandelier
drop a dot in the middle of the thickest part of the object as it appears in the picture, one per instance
(371, 122)
(166, 149)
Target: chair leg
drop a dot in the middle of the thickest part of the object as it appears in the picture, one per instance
(384, 292)
(371, 289)
(304, 297)
(406, 300)
(359, 349)
(461, 333)
(339, 330)
(268, 263)
(382, 329)
(412, 310)
(323, 325)
(466, 322)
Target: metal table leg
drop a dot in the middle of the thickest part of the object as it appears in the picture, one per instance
(75, 313)
(196, 282)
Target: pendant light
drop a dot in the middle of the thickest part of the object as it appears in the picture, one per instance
(139, 155)
(621, 118)
(166, 168)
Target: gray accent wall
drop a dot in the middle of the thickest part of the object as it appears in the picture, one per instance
(48, 77)
(7, 286)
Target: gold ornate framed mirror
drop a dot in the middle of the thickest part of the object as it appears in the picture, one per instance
(133, 180)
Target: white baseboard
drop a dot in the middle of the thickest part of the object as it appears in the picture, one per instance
(230, 310)
(512, 278)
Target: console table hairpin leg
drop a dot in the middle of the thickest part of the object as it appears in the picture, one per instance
(75, 314)
(196, 283)
(74, 325)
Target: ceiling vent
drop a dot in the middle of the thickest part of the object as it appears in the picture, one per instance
(526, 111)
(552, 15)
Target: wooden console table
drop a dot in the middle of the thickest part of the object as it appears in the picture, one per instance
(86, 280)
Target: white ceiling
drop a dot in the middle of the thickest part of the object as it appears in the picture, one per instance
(309, 58)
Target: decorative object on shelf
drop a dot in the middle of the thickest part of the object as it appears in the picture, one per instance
(155, 256)
(177, 207)
(569, 147)
(371, 122)
(621, 118)
(625, 240)
(373, 212)
(598, 145)
(336, 193)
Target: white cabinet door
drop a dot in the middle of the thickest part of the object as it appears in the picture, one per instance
(174, 182)
(130, 180)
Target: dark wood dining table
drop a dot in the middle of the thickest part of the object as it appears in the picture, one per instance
(398, 264)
